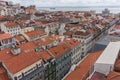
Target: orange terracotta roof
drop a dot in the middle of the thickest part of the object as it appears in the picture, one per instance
(50, 39)
(39, 24)
(11, 24)
(19, 38)
(113, 76)
(26, 58)
(69, 33)
(35, 33)
(31, 21)
(39, 42)
(47, 40)
(119, 55)
(98, 76)
(73, 43)
(22, 22)
(5, 54)
(5, 36)
(110, 19)
(46, 22)
(117, 64)
(2, 70)
(44, 55)
(21, 61)
(82, 71)
(59, 50)
(2, 18)
(25, 48)
(82, 33)
(28, 47)
(117, 27)
(3, 74)
(91, 31)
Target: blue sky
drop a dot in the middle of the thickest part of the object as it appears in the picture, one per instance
(46, 3)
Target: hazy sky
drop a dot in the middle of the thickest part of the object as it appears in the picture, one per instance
(68, 2)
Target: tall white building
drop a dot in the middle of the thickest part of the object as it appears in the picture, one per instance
(12, 28)
(85, 38)
(106, 61)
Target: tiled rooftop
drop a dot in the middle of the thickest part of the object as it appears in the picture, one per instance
(11, 24)
(28, 47)
(39, 24)
(82, 33)
(44, 55)
(5, 36)
(113, 76)
(117, 27)
(47, 40)
(72, 43)
(98, 76)
(82, 71)
(2, 18)
(117, 64)
(19, 38)
(69, 33)
(21, 61)
(27, 57)
(5, 54)
(59, 50)
(35, 33)
(25, 48)
(3, 74)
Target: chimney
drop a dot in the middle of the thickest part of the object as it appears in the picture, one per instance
(43, 39)
(15, 50)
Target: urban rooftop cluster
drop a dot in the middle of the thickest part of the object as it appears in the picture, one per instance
(45, 45)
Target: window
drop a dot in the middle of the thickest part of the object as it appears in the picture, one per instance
(20, 76)
(0, 44)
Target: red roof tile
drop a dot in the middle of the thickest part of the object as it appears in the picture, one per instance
(2, 70)
(117, 27)
(2, 18)
(39, 24)
(82, 33)
(113, 76)
(5, 54)
(72, 43)
(117, 65)
(19, 38)
(28, 47)
(11, 24)
(82, 71)
(69, 33)
(91, 31)
(98, 76)
(22, 22)
(59, 50)
(47, 40)
(26, 58)
(5, 36)
(21, 61)
(44, 55)
(25, 48)
(31, 21)
(35, 33)
(3, 74)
